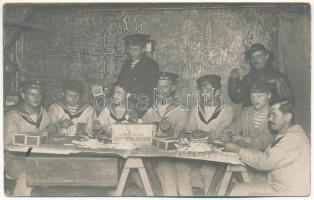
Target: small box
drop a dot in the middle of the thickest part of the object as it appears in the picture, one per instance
(19, 139)
(155, 142)
(165, 143)
(36, 139)
(136, 134)
(30, 139)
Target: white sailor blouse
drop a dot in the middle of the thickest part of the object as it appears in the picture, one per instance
(18, 121)
(84, 114)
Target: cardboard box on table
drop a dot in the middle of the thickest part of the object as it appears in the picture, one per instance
(136, 134)
(30, 139)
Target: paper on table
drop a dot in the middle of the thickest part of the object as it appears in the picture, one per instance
(95, 144)
(42, 149)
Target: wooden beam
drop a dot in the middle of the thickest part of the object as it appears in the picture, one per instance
(19, 30)
(25, 25)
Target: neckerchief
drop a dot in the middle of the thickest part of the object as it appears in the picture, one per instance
(78, 113)
(28, 119)
(214, 116)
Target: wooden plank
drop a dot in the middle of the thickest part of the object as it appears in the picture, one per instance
(215, 182)
(122, 182)
(245, 176)
(146, 182)
(133, 163)
(238, 168)
(75, 171)
(19, 30)
(153, 177)
(225, 182)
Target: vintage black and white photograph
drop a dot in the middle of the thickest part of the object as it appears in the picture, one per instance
(156, 99)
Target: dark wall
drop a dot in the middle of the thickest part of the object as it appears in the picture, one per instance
(294, 47)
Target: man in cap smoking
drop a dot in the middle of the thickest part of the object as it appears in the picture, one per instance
(29, 117)
(261, 69)
(140, 72)
(207, 119)
(170, 118)
(71, 110)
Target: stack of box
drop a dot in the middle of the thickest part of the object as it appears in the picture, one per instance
(30, 139)
(165, 143)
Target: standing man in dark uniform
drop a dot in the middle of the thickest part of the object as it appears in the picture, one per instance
(140, 72)
(261, 69)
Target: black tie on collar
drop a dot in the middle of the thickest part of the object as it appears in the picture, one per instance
(214, 116)
(37, 123)
(77, 115)
(275, 142)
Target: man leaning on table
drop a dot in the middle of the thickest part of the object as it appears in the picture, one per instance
(287, 161)
(251, 129)
(28, 118)
(71, 110)
(167, 113)
(207, 119)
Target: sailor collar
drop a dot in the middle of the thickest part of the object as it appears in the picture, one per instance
(201, 113)
(26, 117)
(173, 105)
(77, 114)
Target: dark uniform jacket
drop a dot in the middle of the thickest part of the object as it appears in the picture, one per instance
(239, 90)
(142, 79)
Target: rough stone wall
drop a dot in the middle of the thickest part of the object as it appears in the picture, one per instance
(86, 43)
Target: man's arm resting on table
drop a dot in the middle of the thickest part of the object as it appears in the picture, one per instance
(277, 157)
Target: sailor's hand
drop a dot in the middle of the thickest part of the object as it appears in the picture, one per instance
(232, 147)
(211, 137)
(66, 123)
(240, 138)
(52, 128)
(199, 134)
(226, 136)
(164, 125)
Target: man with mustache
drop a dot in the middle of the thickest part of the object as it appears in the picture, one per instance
(287, 161)
(261, 69)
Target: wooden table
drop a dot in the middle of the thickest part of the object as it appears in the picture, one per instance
(218, 186)
(134, 160)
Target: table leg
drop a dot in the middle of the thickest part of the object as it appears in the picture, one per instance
(146, 183)
(214, 185)
(153, 177)
(122, 181)
(134, 163)
(245, 176)
(225, 182)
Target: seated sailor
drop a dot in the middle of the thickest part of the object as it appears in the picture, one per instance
(71, 110)
(169, 116)
(119, 109)
(28, 118)
(207, 119)
(251, 129)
